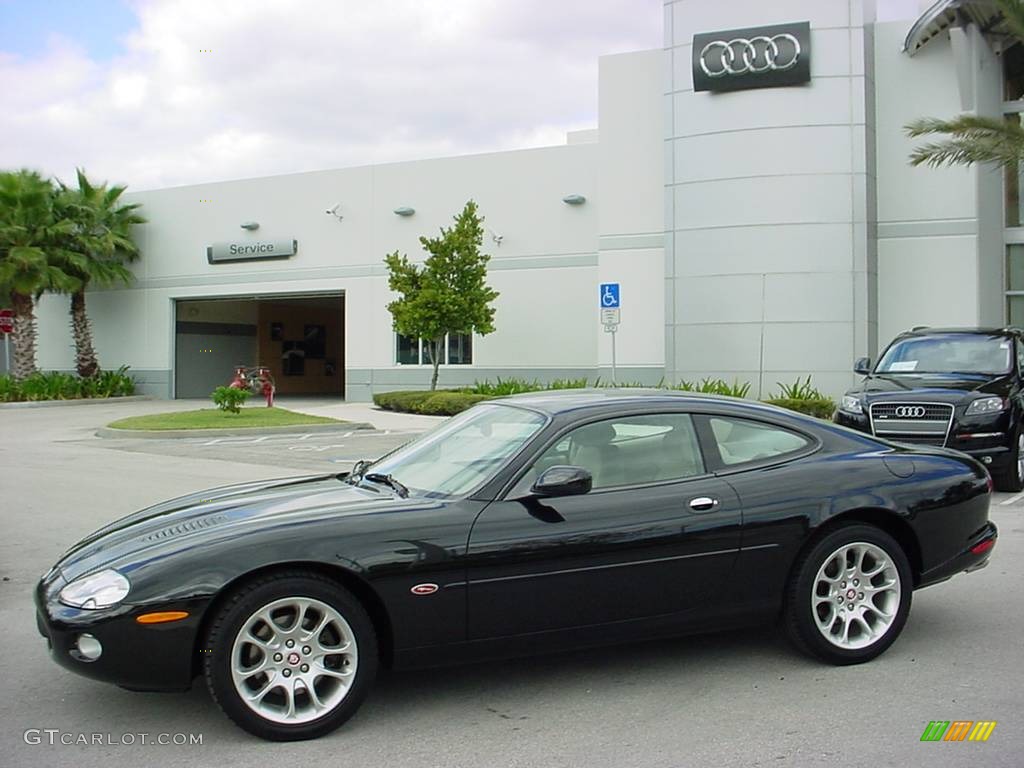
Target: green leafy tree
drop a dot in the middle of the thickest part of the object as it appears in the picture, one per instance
(98, 251)
(973, 139)
(31, 239)
(448, 293)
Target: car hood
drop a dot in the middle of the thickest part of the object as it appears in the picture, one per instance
(946, 388)
(218, 513)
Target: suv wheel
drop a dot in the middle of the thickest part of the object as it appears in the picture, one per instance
(1012, 478)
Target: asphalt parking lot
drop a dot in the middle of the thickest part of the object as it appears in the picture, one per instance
(731, 699)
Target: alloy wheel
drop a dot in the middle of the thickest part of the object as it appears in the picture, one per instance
(294, 660)
(1020, 457)
(856, 595)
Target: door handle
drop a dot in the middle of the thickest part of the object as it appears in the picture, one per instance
(703, 504)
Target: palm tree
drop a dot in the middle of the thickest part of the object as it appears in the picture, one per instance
(970, 138)
(102, 247)
(30, 239)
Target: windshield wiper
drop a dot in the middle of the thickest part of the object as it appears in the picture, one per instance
(377, 477)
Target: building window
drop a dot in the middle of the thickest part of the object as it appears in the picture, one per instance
(407, 351)
(457, 350)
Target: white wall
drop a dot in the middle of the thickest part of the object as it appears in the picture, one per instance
(939, 259)
(632, 221)
(544, 241)
(770, 198)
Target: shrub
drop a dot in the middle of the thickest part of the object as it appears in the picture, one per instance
(715, 387)
(448, 403)
(822, 407)
(801, 390)
(230, 398)
(65, 386)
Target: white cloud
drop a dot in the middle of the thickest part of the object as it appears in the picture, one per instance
(313, 84)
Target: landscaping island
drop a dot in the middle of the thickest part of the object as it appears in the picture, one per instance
(213, 418)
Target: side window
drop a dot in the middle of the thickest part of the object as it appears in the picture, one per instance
(1020, 357)
(741, 441)
(628, 451)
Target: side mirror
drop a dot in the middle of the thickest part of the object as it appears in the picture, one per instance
(862, 366)
(563, 481)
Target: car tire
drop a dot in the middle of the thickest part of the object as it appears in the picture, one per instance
(1011, 480)
(869, 570)
(290, 656)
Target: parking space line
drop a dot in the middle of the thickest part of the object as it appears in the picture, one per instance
(1012, 500)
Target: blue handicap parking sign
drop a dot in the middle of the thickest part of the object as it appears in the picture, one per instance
(609, 296)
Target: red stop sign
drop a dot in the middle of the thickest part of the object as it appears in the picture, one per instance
(6, 321)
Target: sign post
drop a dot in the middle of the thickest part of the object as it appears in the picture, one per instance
(611, 315)
(7, 328)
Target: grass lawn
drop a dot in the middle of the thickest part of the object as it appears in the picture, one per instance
(214, 418)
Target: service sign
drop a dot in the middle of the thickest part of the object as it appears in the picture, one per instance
(251, 250)
(754, 57)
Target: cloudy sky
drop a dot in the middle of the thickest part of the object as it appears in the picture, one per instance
(164, 92)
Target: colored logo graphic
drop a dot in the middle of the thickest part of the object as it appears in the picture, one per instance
(958, 730)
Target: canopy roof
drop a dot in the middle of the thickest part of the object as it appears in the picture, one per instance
(944, 14)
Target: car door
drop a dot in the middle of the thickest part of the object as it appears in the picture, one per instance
(656, 535)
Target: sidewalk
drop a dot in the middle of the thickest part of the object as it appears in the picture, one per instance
(363, 412)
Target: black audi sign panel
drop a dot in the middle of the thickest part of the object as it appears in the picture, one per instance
(755, 57)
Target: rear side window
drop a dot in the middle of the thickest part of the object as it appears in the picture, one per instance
(741, 441)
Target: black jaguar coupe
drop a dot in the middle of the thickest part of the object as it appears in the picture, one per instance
(534, 522)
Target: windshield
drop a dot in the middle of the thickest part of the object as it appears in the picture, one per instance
(948, 353)
(464, 451)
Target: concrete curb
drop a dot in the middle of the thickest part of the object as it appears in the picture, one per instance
(78, 401)
(163, 434)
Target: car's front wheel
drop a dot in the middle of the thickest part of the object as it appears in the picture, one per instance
(1011, 479)
(850, 595)
(290, 656)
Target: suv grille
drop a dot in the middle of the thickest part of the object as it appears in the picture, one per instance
(912, 422)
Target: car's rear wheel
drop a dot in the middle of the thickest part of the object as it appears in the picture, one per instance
(850, 595)
(1011, 479)
(290, 656)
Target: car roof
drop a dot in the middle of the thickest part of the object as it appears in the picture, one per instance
(554, 401)
(926, 331)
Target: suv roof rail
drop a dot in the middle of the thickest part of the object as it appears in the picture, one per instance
(918, 328)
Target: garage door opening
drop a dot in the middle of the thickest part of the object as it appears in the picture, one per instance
(301, 339)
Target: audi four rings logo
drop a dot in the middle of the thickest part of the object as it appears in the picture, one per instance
(910, 412)
(750, 56)
(754, 57)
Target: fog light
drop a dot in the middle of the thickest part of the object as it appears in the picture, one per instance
(986, 459)
(89, 648)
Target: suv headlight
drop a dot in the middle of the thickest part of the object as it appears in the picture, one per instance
(986, 405)
(97, 590)
(851, 404)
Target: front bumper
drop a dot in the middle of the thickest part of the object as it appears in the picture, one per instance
(150, 657)
(995, 452)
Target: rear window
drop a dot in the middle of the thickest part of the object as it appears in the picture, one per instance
(741, 441)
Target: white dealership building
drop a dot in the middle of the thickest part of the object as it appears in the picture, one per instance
(747, 186)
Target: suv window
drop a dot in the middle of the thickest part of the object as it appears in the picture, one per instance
(740, 441)
(1020, 356)
(948, 353)
(629, 450)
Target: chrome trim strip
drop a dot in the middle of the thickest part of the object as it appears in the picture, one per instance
(601, 567)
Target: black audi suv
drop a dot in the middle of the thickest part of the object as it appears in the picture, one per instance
(954, 387)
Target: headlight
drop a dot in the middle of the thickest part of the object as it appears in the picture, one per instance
(851, 404)
(986, 405)
(97, 590)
